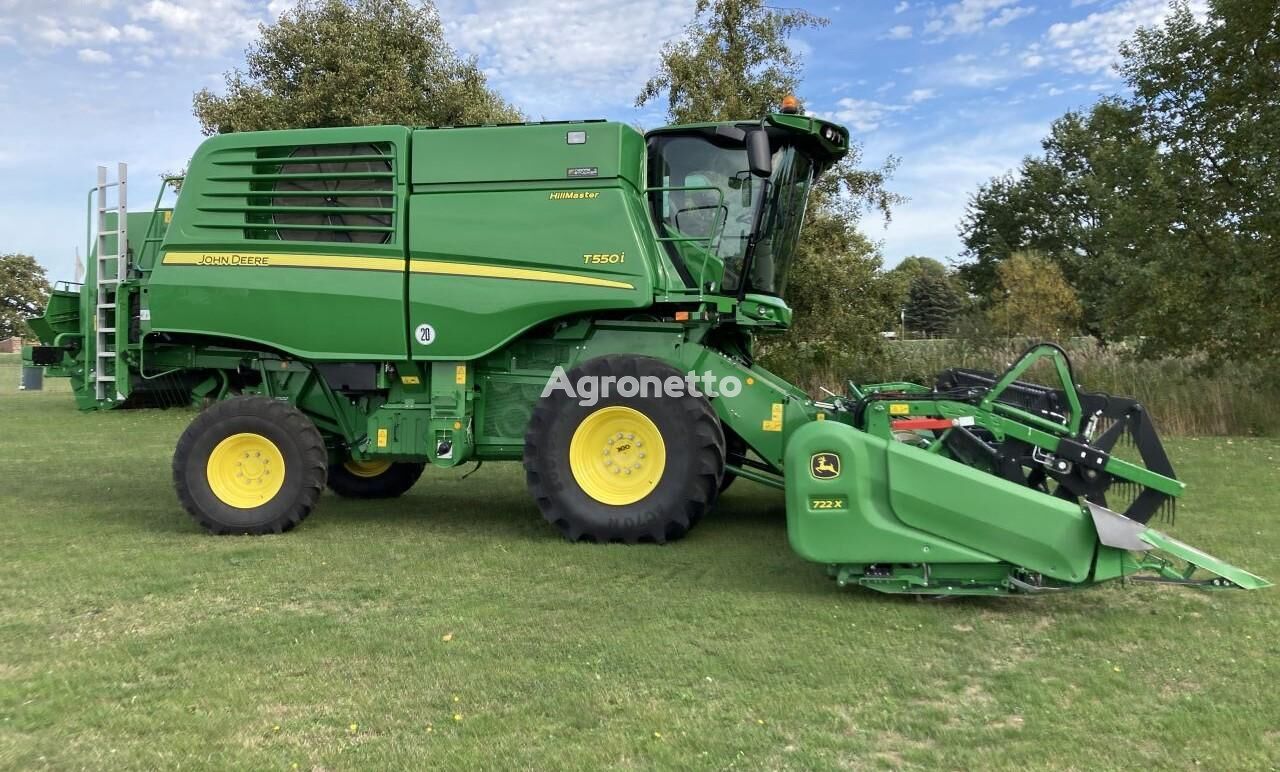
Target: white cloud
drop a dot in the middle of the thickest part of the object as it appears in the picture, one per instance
(560, 57)
(135, 34)
(202, 27)
(196, 27)
(1091, 44)
(969, 16)
(862, 114)
(277, 7)
(899, 32)
(901, 7)
(61, 31)
(1007, 15)
(93, 56)
(973, 75)
(866, 115)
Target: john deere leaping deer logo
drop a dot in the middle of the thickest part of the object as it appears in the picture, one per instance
(825, 466)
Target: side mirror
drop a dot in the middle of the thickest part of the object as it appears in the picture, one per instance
(759, 155)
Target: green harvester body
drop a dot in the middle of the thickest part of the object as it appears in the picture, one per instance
(413, 292)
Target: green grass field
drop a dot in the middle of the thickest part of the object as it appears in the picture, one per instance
(454, 628)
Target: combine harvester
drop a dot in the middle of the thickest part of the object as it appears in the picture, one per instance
(353, 304)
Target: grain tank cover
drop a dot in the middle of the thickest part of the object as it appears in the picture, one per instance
(576, 151)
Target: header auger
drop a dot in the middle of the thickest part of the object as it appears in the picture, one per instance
(350, 305)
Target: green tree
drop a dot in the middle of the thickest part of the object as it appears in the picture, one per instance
(352, 63)
(1209, 91)
(932, 305)
(24, 289)
(1032, 299)
(1096, 203)
(735, 62)
(911, 267)
(1161, 209)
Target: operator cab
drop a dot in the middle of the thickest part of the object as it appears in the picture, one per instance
(727, 206)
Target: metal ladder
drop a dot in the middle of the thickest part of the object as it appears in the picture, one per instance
(106, 366)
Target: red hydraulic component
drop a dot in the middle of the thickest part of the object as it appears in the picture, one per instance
(930, 423)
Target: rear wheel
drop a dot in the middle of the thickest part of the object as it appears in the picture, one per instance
(250, 465)
(373, 479)
(639, 468)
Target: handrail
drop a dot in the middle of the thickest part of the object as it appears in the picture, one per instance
(712, 240)
(151, 224)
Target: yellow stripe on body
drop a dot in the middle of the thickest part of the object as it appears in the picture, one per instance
(272, 260)
(349, 262)
(498, 272)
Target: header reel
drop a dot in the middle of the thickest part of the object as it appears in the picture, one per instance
(1091, 426)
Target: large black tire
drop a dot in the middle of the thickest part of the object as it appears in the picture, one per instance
(353, 482)
(249, 439)
(683, 491)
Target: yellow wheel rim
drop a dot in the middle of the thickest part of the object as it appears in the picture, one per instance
(617, 455)
(366, 468)
(245, 471)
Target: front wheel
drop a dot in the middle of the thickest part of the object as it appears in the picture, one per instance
(627, 468)
(250, 465)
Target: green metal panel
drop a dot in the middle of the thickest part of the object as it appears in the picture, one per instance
(860, 525)
(1012, 522)
(1197, 559)
(533, 153)
(502, 239)
(226, 271)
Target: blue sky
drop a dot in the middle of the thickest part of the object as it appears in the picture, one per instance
(959, 91)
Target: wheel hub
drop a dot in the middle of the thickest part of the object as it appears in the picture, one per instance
(617, 455)
(245, 470)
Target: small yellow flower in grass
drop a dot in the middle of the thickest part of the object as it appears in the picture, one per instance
(657, 735)
(353, 727)
(457, 716)
(760, 721)
(456, 698)
(430, 729)
(1116, 668)
(294, 765)
(275, 728)
(447, 637)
